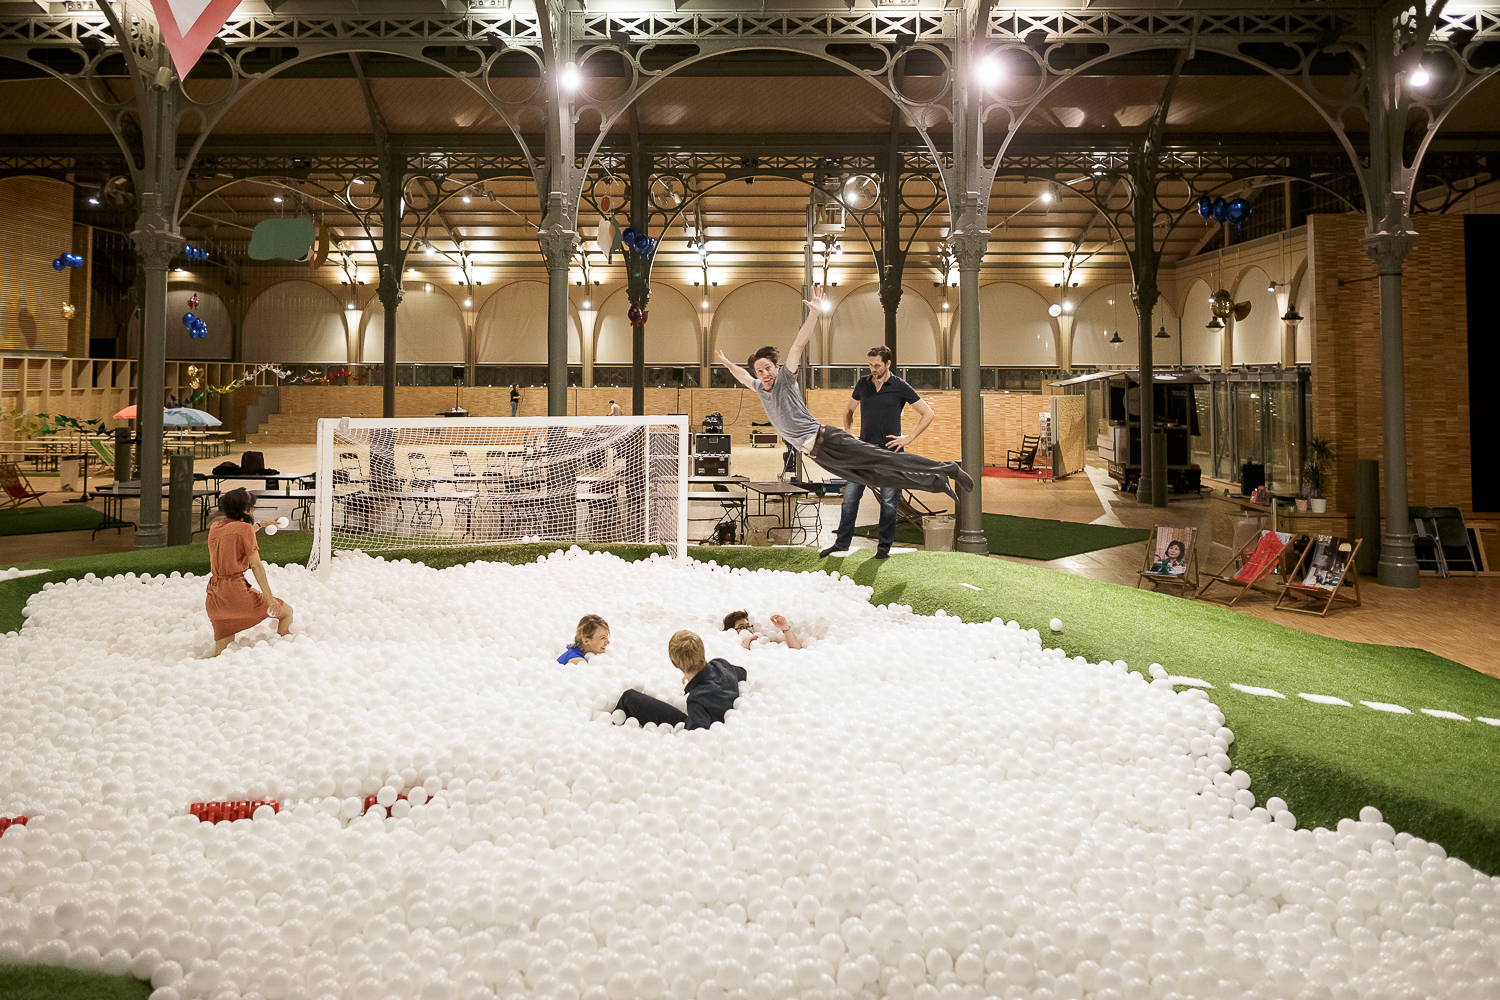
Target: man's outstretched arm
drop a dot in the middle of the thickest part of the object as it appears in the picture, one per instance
(814, 310)
(742, 376)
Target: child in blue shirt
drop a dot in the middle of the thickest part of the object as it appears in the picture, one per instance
(591, 637)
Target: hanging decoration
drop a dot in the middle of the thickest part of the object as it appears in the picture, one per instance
(197, 328)
(193, 374)
(193, 301)
(315, 377)
(187, 27)
(1235, 211)
(66, 260)
(637, 315)
(223, 390)
(195, 253)
(639, 242)
(34, 425)
(69, 310)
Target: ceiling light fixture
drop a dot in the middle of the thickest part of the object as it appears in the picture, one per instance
(1115, 338)
(1420, 77)
(468, 198)
(1162, 334)
(1053, 310)
(276, 198)
(990, 70)
(1215, 324)
(571, 78)
(1292, 315)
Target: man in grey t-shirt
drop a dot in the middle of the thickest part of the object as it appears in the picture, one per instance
(834, 448)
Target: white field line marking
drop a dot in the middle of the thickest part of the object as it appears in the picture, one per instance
(1381, 706)
(1261, 692)
(1324, 699)
(1438, 713)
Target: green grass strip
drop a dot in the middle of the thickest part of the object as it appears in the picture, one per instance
(1032, 537)
(41, 982)
(41, 520)
(1425, 774)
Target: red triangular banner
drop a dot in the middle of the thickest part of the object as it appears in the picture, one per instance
(186, 42)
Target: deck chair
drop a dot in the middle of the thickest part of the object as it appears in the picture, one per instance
(105, 453)
(1454, 542)
(17, 489)
(1251, 565)
(1425, 540)
(1025, 459)
(1161, 567)
(1320, 574)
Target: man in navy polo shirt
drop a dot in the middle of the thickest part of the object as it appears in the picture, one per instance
(879, 397)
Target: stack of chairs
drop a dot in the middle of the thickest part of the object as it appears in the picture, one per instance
(1442, 540)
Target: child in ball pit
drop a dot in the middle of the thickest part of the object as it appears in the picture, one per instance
(591, 637)
(711, 685)
(740, 622)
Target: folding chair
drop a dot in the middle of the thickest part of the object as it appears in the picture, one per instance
(1454, 543)
(17, 488)
(1327, 563)
(1025, 459)
(350, 464)
(418, 463)
(1425, 540)
(1255, 562)
(460, 459)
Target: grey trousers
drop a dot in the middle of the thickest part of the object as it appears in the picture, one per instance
(847, 457)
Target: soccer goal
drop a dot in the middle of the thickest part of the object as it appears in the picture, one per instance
(388, 485)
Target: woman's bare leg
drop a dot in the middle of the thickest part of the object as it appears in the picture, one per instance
(282, 612)
(221, 644)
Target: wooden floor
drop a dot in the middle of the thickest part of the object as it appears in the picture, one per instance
(1452, 617)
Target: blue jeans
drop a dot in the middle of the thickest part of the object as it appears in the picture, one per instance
(853, 493)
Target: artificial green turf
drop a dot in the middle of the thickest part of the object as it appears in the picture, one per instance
(1326, 762)
(41, 982)
(41, 520)
(1032, 537)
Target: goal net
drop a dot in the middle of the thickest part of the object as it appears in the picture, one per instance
(386, 485)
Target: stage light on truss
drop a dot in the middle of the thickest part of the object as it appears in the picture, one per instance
(1420, 77)
(571, 78)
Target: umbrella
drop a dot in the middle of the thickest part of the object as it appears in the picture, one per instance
(186, 416)
(178, 416)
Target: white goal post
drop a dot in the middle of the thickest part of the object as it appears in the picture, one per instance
(387, 485)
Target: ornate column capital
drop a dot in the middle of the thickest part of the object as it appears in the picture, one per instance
(1389, 249)
(969, 247)
(890, 291)
(157, 245)
(558, 246)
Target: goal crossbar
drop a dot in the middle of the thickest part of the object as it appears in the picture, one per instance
(386, 485)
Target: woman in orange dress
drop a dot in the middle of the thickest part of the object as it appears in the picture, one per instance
(232, 604)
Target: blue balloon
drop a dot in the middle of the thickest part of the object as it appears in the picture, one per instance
(58, 265)
(1205, 206)
(189, 320)
(628, 238)
(1238, 211)
(1221, 210)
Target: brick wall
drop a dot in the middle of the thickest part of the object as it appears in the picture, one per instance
(1346, 382)
(1007, 416)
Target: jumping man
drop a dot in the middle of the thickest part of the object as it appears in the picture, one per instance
(834, 448)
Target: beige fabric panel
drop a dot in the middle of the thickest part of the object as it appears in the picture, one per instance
(38, 213)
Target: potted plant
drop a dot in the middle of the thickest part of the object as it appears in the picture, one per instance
(1314, 468)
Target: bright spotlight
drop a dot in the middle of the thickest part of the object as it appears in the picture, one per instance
(990, 71)
(570, 76)
(1047, 197)
(827, 305)
(1054, 310)
(468, 198)
(1420, 77)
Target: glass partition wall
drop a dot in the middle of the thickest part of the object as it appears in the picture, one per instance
(1257, 416)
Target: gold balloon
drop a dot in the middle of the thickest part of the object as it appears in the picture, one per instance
(193, 374)
(68, 310)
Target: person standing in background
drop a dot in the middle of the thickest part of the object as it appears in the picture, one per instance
(515, 398)
(880, 397)
(614, 409)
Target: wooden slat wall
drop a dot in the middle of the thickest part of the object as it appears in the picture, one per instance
(1346, 358)
(39, 225)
